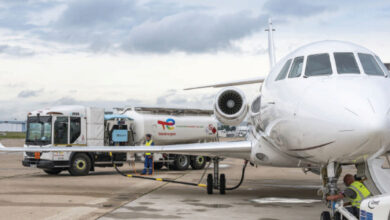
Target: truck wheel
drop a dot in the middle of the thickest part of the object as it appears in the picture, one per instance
(182, 162)
(198, 162)
(52, 171)
(80, 166)
(158, 166)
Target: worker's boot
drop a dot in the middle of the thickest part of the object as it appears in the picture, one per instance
(143, 171)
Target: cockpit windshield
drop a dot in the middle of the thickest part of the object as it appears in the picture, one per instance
(370, 65)
(346, 63)
(382, 65)
(38, 130)
(318, 65)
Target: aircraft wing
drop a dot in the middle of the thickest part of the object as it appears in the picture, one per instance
(236, 149)
(231, 83)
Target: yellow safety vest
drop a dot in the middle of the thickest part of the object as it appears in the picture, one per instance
(361, 193)
(148, 143)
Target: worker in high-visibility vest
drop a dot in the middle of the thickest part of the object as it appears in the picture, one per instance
(356, 192)
(148, 165)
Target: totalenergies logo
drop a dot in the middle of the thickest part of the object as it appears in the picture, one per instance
(212, 129)
(169, 123)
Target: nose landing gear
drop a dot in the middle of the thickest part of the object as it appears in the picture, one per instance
(330, 174)
(218, 182)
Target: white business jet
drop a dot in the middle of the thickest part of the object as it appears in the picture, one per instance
(324, 105)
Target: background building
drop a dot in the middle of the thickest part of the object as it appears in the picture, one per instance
(12, 126)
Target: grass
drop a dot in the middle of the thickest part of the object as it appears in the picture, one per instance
(12, 135)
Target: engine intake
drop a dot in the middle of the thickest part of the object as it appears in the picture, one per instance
(230, 106)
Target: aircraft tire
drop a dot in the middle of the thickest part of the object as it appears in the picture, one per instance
(222, 184)
(325, 216)
(337, 216)
(210, 184)
(80, 166)
(53, 171)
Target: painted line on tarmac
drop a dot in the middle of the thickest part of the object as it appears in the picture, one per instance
(270, 200)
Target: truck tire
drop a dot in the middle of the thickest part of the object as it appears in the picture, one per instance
(80, 166)
(182, 162)
(158, 166)
(52, 171)
(198, 162)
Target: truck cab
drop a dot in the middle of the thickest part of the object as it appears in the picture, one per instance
(71, 126)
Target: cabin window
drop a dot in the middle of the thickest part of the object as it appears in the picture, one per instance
(318, 65)
(370, 66)
(296, 68)
(283, 72)
(75, 129)
(346, 63)
(61, 130)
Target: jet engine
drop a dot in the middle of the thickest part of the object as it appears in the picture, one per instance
(230, 106)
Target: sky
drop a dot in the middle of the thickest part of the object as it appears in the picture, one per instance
(143, 53)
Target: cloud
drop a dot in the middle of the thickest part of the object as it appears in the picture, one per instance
(297, 8)
(95, 13)
(15, 51)
(103, 103)
(101, 26)
(175, 99)
(29, 93)
(192, 32)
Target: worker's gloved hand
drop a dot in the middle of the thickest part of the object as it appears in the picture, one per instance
(150, 156)
(335, 197)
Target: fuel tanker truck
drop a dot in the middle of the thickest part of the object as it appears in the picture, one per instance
(90, 126)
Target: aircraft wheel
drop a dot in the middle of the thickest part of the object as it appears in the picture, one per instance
(337, 216)
(325, 216)
(52, 171)
(80, 166)
(222, 184)
(210, 184)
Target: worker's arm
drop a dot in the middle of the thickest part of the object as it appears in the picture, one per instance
(335, 197)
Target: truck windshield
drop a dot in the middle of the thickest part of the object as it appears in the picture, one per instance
(38, 130)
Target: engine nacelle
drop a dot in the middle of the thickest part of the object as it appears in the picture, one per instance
(230, 106)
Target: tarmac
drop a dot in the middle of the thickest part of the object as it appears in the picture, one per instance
(266, 194)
